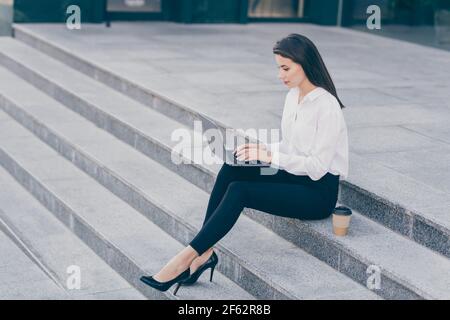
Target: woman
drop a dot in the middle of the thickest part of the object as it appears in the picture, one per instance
(311, 158)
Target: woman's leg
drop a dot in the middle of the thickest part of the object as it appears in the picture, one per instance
(282, 199)
(229, 174)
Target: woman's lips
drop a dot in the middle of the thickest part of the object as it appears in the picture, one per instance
(286, 82)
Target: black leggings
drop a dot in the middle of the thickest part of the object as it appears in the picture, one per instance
(282, 194)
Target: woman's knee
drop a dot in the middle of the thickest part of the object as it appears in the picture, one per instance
(237, 189)
(227, 173)
(235, 186)
(225, 168)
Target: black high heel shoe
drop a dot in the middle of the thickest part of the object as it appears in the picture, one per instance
(164, 286)
(210, 263)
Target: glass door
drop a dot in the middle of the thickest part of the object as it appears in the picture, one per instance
(135, 10)
(276, 9)
(134, 6)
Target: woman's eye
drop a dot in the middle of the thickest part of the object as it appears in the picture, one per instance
(286, 69)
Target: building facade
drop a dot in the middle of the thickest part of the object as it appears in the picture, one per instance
(324, 12)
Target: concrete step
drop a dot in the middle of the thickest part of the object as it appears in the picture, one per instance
(21, 278)
(404, 264)
(425, 226)
(55, 250)
(149, 188)
(143, 128)
(122, 237)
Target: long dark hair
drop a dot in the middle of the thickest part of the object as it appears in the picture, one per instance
(301, 50)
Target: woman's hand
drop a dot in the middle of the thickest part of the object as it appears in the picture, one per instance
(249, 145)
(252, 152)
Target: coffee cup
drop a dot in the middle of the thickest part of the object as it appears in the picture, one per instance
(341, 220)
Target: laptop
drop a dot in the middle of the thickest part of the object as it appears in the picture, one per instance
(230, 157)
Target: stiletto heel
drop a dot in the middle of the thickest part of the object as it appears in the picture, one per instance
(210, 263)
(212, 272)
(176, 288)
(164, 286)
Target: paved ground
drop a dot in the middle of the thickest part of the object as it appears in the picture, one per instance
(397, 93)
(424, 35)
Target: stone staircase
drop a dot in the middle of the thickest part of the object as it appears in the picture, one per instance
(40, 256)
(82, 139)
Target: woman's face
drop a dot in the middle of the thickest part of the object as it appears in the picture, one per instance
(289, 72)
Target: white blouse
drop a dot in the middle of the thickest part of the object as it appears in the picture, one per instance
(314, 136)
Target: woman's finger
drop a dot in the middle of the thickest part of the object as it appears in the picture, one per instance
(242, 147)
(245, 146)
(248, 155)
(241, 155)
(242, 152)
(239, 148)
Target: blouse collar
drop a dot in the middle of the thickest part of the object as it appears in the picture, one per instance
(311, 96)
